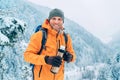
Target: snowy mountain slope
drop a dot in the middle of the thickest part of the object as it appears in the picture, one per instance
(24, 11)
(88, 48)
(115, 46)
(12, 66)
(115, 43)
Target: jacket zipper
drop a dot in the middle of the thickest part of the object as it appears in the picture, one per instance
(54, 77)
(40, 71)
(57, 45)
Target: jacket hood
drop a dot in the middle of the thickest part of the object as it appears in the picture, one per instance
(46, 24)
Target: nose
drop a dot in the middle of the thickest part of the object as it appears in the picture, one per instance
(56, 21)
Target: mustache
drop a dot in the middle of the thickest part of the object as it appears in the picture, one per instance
(57, 24)
(61, 26)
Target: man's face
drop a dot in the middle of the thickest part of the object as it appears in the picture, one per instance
(56, 23)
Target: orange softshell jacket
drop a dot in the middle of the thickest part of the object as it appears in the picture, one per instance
(54, 40)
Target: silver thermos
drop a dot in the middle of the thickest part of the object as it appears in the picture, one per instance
(56, 69)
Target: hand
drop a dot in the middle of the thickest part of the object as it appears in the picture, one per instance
(53, 60)
(67, 57)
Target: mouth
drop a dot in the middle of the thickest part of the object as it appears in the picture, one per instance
(57, 25)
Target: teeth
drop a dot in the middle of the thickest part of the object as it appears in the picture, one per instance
(55, 25)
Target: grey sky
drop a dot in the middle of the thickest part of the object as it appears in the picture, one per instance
(100, 17)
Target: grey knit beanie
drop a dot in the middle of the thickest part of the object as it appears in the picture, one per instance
(56, 12)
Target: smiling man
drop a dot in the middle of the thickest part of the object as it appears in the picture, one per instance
(48, 55)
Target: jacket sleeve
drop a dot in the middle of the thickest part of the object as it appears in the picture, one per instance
(70, 48)
(30, 55)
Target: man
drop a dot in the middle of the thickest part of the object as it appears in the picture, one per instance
(48, 56)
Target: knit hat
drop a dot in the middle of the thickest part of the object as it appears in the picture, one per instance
(56, 12)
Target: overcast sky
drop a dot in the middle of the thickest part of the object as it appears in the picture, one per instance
(100, 17)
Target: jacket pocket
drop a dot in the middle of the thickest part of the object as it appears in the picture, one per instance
(40, 71)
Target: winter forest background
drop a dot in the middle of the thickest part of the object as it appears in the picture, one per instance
(18, 20)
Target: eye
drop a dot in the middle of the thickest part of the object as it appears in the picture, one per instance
(60, 19)
(53, 18)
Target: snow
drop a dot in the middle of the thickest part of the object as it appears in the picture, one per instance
(3, 39)
(94, 61)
